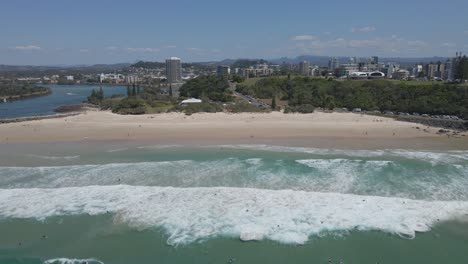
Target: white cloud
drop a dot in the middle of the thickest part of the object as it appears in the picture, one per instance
(112, 48)
(27, 48)
(416, 43)
(366, 43)
(392, 44)
(84, 50)
(364, 29)
(303, 37)
(193, 49)
(215, 50)
(171, 46)
(142, 50)
(448, 45)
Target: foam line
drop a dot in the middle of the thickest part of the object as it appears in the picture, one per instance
(196, 214)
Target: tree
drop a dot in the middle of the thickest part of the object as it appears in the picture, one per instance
(100, 94)
(134, 91)
(461, 68)
(213, 87)
(129, 92)
(170, 90)
(138, 89)
(273, 103)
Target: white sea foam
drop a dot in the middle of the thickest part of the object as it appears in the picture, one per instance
(254, 161)
(72, 261)
(353, 176)
(432, 157)
(197, 214)
(56, 157)
(160, 147)
(435, 157)
(116, 150)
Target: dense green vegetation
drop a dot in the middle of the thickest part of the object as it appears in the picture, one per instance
(461, 72)
(242, 106)
(96, 97)
(211, 87)
(11, 90)
(206, 107)
(245, 63)
(304, 93)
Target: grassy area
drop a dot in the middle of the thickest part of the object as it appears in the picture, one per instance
(252, 81)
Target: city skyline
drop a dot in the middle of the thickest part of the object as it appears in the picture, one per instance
(54, 32)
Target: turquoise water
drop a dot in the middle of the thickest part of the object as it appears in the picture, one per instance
(115, 203)
(61, 95)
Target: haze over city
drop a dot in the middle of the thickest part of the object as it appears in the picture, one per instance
(90, 32)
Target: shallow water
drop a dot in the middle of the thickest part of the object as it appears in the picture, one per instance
(61, 95)
(194, 204)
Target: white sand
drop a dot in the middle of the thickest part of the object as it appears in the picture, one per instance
(219, 127)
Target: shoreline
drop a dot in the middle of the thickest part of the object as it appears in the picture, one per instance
(25, 96)
(323, 130)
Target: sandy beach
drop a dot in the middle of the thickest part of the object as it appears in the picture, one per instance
(317, 129)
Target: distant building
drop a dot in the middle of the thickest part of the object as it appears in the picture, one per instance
(440, 73)
(287, 66)
(347, 69)
(69, 78)
(173, 70)
(304, 67)
(223, 71)
(111, 78)
(333, 64)
(251, 72)
(131, 79)
(376, 75)
(315, 71)
(401, 75)
(431, 70)
(417, 70)
(261, 66)
(358, 75)
(389, 69)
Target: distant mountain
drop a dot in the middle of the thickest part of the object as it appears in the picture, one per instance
(95, 67)
(323, 60)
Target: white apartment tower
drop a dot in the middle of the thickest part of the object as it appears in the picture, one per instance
(173, 70)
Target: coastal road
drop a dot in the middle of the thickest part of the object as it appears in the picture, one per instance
(248, 98)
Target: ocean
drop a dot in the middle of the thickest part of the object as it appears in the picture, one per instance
(112, 202)
(61, 95)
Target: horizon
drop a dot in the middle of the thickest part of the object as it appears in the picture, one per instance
(110, 32)
(232, 59)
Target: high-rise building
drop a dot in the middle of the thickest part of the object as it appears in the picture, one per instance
(431, 70)
(223, 71)
(333, 64)
(440, 71)
(287, 66)
(304, 68)
(173, 70)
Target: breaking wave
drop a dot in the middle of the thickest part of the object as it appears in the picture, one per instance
(196, 214)
(72, 261)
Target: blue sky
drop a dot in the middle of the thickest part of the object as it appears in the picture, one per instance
(50, 32)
